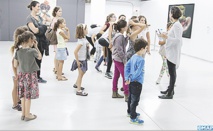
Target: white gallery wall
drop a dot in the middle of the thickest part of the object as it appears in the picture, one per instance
(201, 43)
(118, 7)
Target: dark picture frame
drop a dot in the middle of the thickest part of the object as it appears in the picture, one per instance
(186, 19)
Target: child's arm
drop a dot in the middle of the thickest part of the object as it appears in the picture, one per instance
(65, 36)
(93, 38)
(110, 34)
(39, 57)
(76, 54)
(148, 40)
(127, 72)
(15, 63)
(14, 68)
(134, 34)
(102, 29)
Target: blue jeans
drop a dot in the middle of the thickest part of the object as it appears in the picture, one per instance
(135, 89)
(99, 61)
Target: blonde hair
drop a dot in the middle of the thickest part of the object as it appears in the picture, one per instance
(16, 33)
(80, 31)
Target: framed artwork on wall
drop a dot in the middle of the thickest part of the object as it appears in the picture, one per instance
(186, 19)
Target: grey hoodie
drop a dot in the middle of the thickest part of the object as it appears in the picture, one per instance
(119, 47)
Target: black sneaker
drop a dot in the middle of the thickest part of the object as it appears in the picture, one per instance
(108, 75)
(40, 80)
(98, 69)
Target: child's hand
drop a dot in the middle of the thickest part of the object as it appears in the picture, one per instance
(127, 82)
(79, 64)
(35, 43)
(164, 35)
(66, 29)
(131, 22)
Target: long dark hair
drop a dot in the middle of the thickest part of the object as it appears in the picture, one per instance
(32, 4)
(55, 10)
(119, 25)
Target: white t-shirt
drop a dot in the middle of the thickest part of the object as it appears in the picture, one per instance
(93, 31)
(143, 33)
(61, 42)
(82, 51)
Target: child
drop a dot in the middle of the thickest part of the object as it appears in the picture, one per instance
(80, 61)
(118, 56)
(27, 76)
(163, 55)
(16, 100)
(61, 53)
(134, 77)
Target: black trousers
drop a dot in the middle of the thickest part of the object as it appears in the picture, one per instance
(172, 73)
(89, 39)
(39, 64)
(135, 89)
(104, 43)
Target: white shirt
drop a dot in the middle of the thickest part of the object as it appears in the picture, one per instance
(93, 31)
(82, 51)
(61, 41)
(142, 34)
(174, 43)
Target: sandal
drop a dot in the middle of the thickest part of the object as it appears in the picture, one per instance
(75, 86)
(29, 119)
(63, 79)
(17, 107)
(22, 117)
(81, 93)
(61, 73)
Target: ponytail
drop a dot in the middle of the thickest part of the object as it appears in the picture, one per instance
(56, 25)
(58, 22)
(32, 4)
(119, 25)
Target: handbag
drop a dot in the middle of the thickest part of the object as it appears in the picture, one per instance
(51, 36)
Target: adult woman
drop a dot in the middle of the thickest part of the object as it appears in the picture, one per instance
(173, 49)
(37, 27)
(57, 13)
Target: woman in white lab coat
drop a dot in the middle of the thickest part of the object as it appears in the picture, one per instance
(173, 50)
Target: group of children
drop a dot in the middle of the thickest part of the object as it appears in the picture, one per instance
(113, 37)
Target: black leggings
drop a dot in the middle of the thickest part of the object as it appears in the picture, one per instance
(39, 64)
(172, 73)
(104, 43)
(89, 39)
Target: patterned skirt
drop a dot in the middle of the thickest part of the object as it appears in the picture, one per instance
(28, 85)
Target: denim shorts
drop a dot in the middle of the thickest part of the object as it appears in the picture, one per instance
(61, 54)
